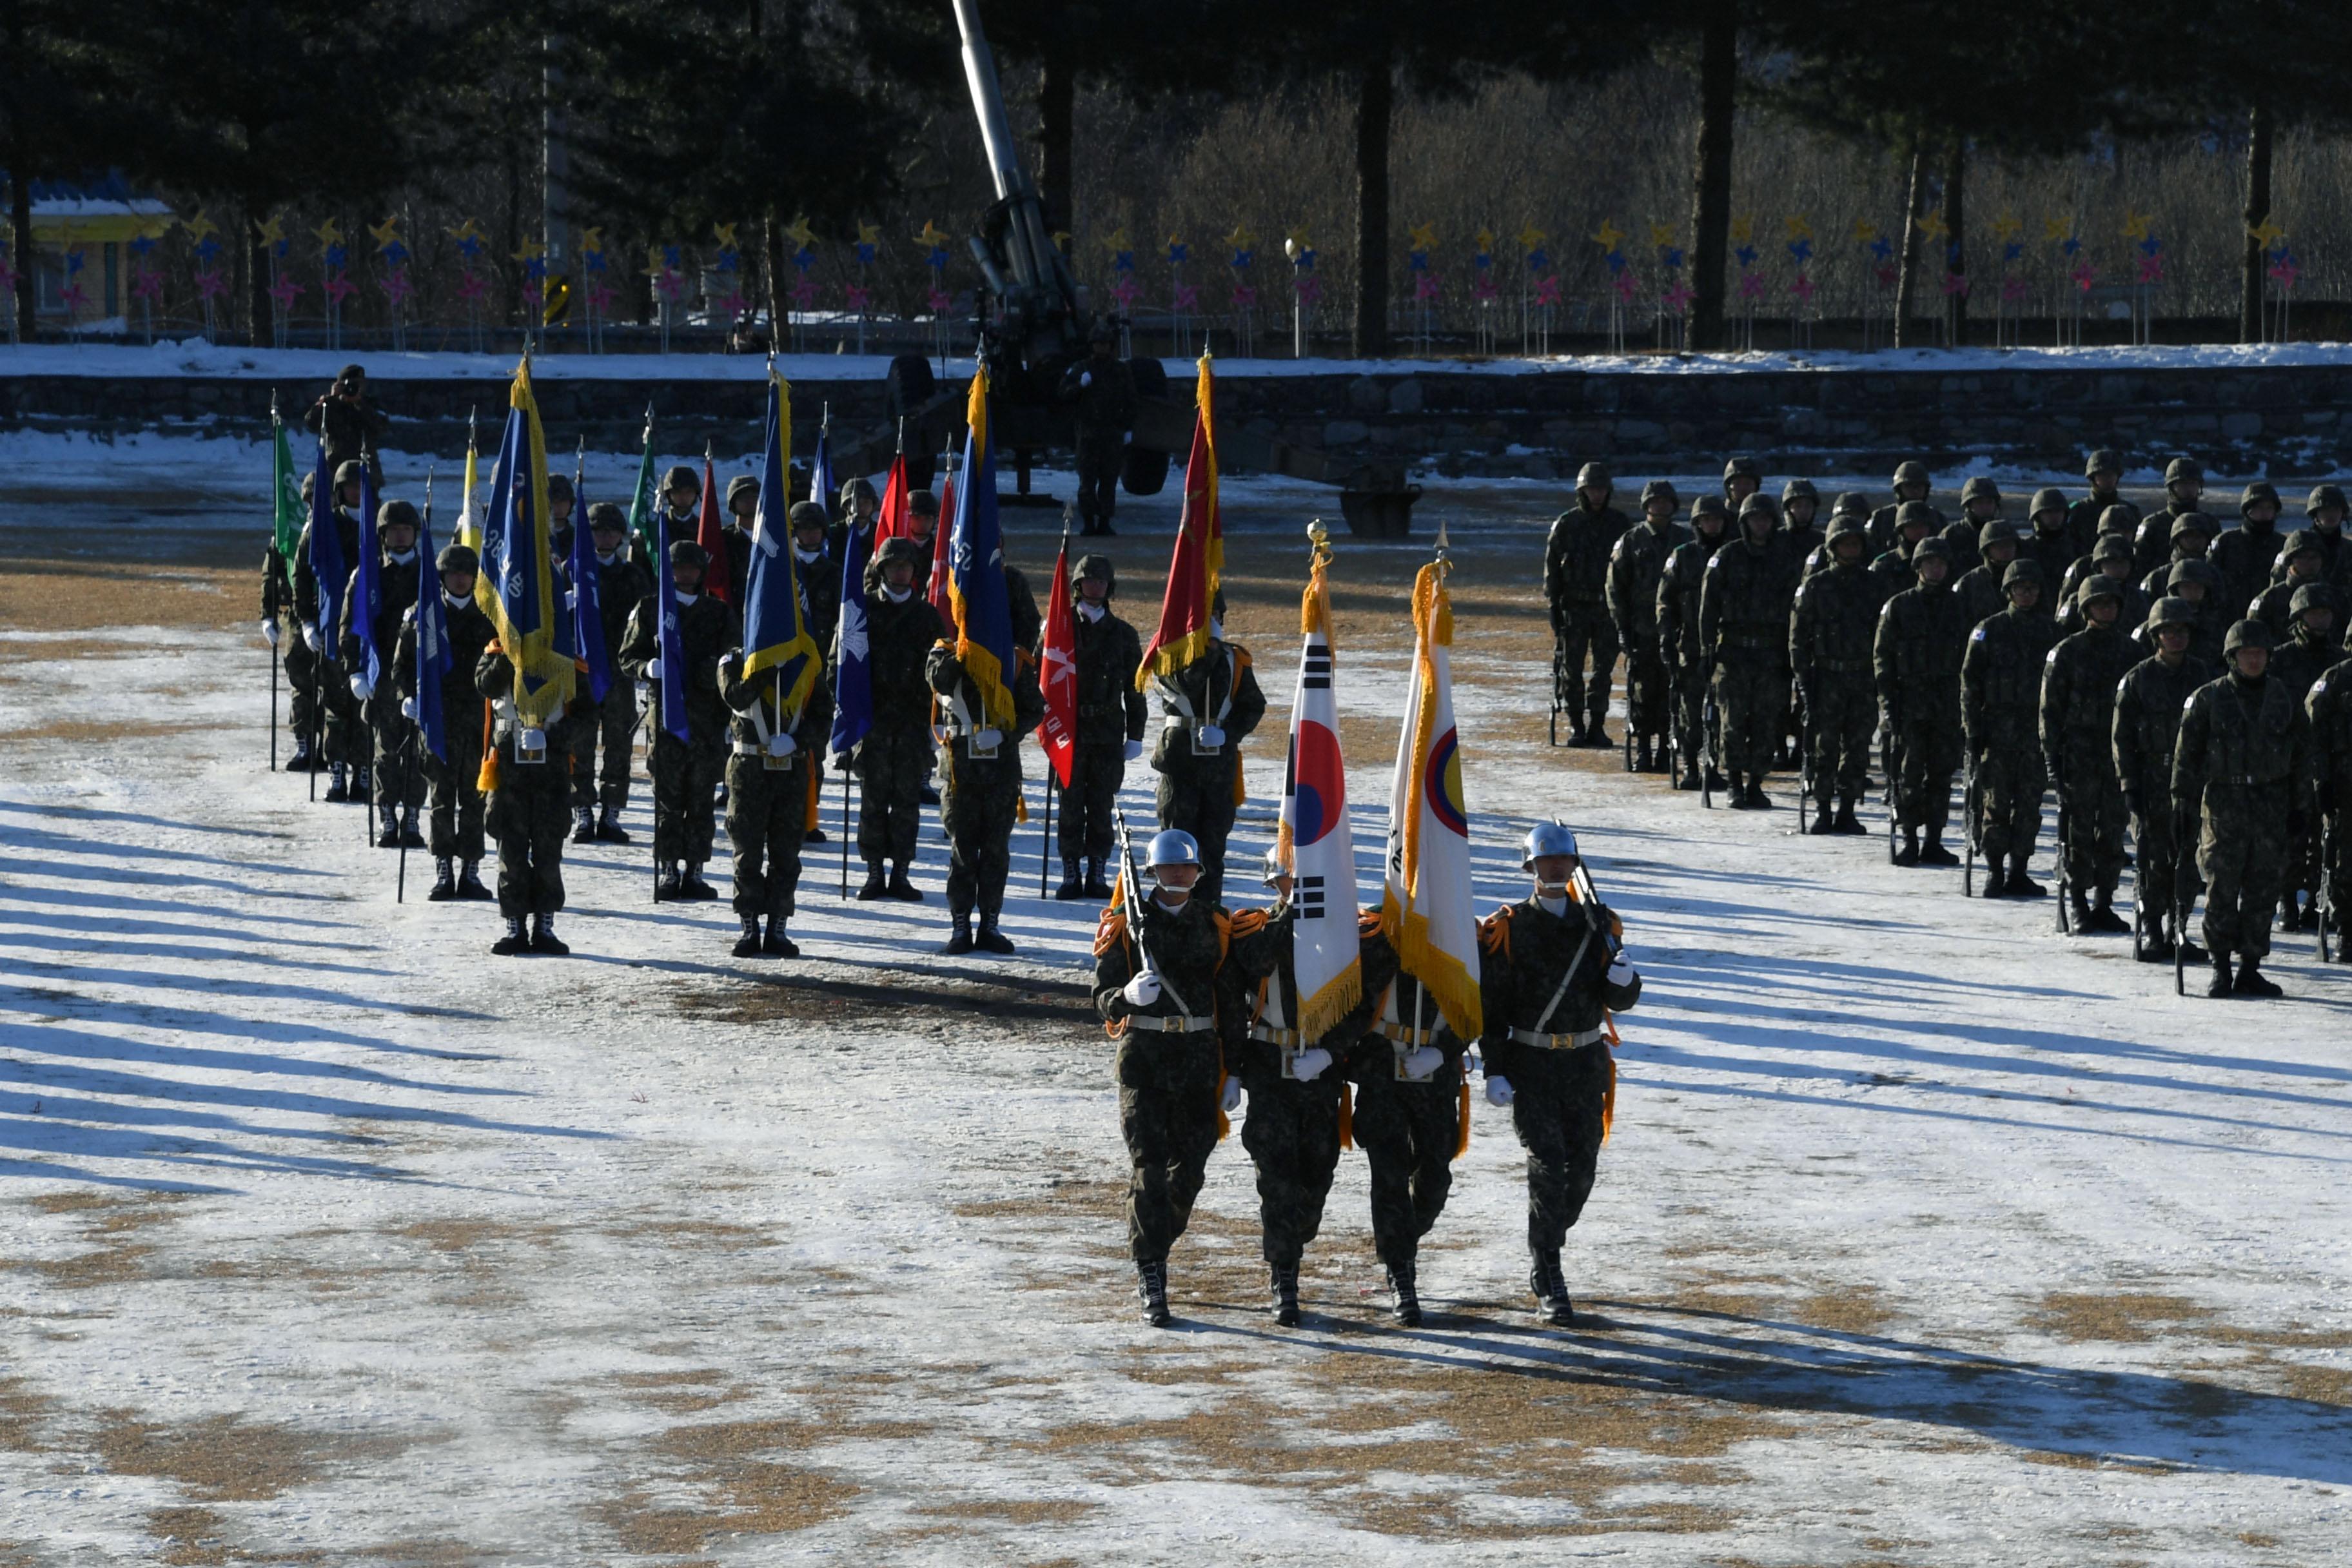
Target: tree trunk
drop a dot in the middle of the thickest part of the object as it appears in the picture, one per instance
(257, 280)
(1057, 94)
(771, 262)
(20, 239)
(1719, 84)
(2258, 213)
(510, 228)
(1915, 196)
(1375, 96)
(1956, 306)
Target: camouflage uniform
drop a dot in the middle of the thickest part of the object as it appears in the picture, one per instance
(2241, 771)
(1408, 1128)
(2198, 582)
(1103, 389)
(2299, 564)
(1576, 585)
(2323, 512)
(2184, 487)
(1892, 566)
(895, 758)
(686, 774)
(456, 816)
(2087, 517)
(2245, 554)
(2310, 651)
(2108, 560)
(769, 799)
(621, 588)
(302, 664)
(1680, 585)
(1917, 653)
(2192, 538)
(2329, 711)
(1744, 614)
(1111, 716)
(1635, 567)
(1884, 521)
(1979, 587)
(1980, 506)
(983, 792)
(2078, 709)
(345, 738)
(1829, 651)
(1197, 785)
(527, 813)
(397, 781)
(2000, 695)
(2148, 703)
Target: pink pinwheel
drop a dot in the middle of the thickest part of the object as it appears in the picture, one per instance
(1886, 273)
(1804, 288)
(396, 286)
(1626, 287)
(856, 295)
(1957, 283)
(1309, 288)
(2084, 276)
(147, 284)
(1482, 289)
(671, 283)
(1424, 285)
(75, 298)
(472, 288)
(1187, 296)
(803, 292)
(1125, 290)
(211, 285)
(285, 292)
(533, 293)
(1678, 298)
(1547, 290)
(2014, 288)
(340, 287)
(2284, 272)
(2152, 268)
(1244, 296)
(1751, 285)
(601, 297)
(731, 303)
(940, 299)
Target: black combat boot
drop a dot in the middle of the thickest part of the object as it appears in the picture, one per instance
(1152, 1290)
(748, 944)
(1933, 853)
(1757, 799)
(1643, 761)
(988, 939)
(444, 882)
(1404, 1294)
(668, 885)
(778, 944)
(1715, 779)
(901, 888)
(2252, 981)
(815, 836)
(409, 838)
(1283, 1279)
(1847, 823)
(2155, 946)
(692, 886)
(1073, 885)
(2104, 921)
(960, 940)
(608, 826)
(1907, 854)
(1688, 778)
(929, 796)
(2189, 951)
(514, 942)
(1096, 887)
(1551, 1290)
(544, 938)
(1737, 793)
(1596, 729)
(363, 785)
(583, 825)
(304, 760)
(387, 829)
(470, 883)
(1575, 727)
(339, 788)
(2020, 885)
(1820, 824)
(2078, 910)
(2219, 985)
(878, 885)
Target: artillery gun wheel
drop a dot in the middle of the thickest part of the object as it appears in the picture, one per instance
(1145, 473)
(909, 386)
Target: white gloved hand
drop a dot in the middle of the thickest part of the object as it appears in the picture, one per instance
(408, 709)
(653, 670)
(1423, 1060)
(1212, 736)
(1499, 1090)
(987, 740)
(1143, 990)
(270, 633)
(1621, 971)
(361, 687)
(310, 637)
(1309, 1064)
(1134, 749)
(1232, 1100)
(1086, 378)
(781, 745)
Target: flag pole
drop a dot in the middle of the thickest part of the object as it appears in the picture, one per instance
(424, 571)
(277, 500)
(844, 826)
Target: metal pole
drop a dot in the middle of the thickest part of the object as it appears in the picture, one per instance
(1045, 833)
(407, 784)
(273, 708)
(845, 831)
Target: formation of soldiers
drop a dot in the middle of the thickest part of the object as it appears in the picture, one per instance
(2169, 678)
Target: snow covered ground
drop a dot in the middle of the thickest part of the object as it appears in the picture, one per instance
(1926, 1236)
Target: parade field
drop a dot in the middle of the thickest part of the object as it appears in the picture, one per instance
(1925, 1235)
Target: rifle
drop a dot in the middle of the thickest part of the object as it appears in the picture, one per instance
(273, 708)
(1674, 726)
(2327, 908)
(1804, 755)
(844, 824)
(1706, 739)
(1558, 674)
(1894, 811)
(1969, 805)
(1130, 884)
(2058, 778)
(2179, 918)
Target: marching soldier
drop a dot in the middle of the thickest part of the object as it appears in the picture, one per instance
(1912, 485)
(771, 784)
(1102, 389)
(526, 811)
(1917, 654)
(1980, 586)
(281, 629)
(2240, 771)
(1412, 1111)
(346, 741)
(2087, 517)
(1830, 649)
(2184, 489)
(2000, 697)
(456, 787)
(398, 788)
(2048, 540)
(983, 793)
(610, 726)
(2323, 513)
(2078, 720)
(1551, 970)
(1157, 972)
(1635, 567)
(1207, 710)
(2148, 703)
(1680, 585)
(1109, 731)
(1743, 633)
(1576, 585)
(685, 773)
(894, 761)
(2245, 554)
(2329, 711)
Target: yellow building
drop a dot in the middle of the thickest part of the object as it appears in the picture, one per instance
(82, 246)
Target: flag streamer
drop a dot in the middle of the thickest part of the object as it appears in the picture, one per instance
(1198, 559)
(1314, 838)
(775, 630)
(980, 607)
(1426, 908)
(516, 588)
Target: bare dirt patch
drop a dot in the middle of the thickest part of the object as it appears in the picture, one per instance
(54, 595)
(885, 1000)
(21, 1412)
(2117, 1317)
(226, 1458)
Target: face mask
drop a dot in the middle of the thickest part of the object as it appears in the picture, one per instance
(1551, 903)
(1091, 612)
(684, 597)
(898, 595)
(806, 557)
(606, 558)
(400, 557)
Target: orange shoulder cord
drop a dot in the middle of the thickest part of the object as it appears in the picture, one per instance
(1225, 923)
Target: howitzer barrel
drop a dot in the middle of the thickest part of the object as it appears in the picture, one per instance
(1028, 249)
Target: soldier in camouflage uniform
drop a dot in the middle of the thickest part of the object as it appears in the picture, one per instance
(2148, 703)
(1912, 484)
(1109, 732)
(526, 811)
(1801, 506)
(1102, 389)
(772, 786)
(1206, 710)
(345, 740)
(1551, 968)
(281, 629)
(2197, 582)
(2111, 559)
(397, 786)
(1830, 649)
(1916, 522)
(2192, 538)
(1979, 587)
(1411, 1115)
(1576, 585)
(1679, 588)
(1916, 655)
(1743, 632)
(1635, 568)
(1980, 504)
(2329, 711)
(2309, 651)
(2000, 696)
(1742, 478)
(983, 792)
(2184, 489)
(2078, 722)
(894, 760)
(2245, 554)
(817, 571)
(2241, 780)
(2048, 538)
(2087, 517)
(685, 773)
(456, 785)
(1158, 972)
(1850, 503)
(2299, 564)
(612, 725)
(2323, 512)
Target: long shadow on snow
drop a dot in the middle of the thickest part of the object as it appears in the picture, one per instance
(225, 985)
(2189, 1423)
(42, 842)
(51, 1040)
(113, 931)
(93, 814)
(101, 947)
(20, 893)
(191, 1021)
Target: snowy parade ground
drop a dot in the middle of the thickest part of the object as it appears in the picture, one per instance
(1926, 1236)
